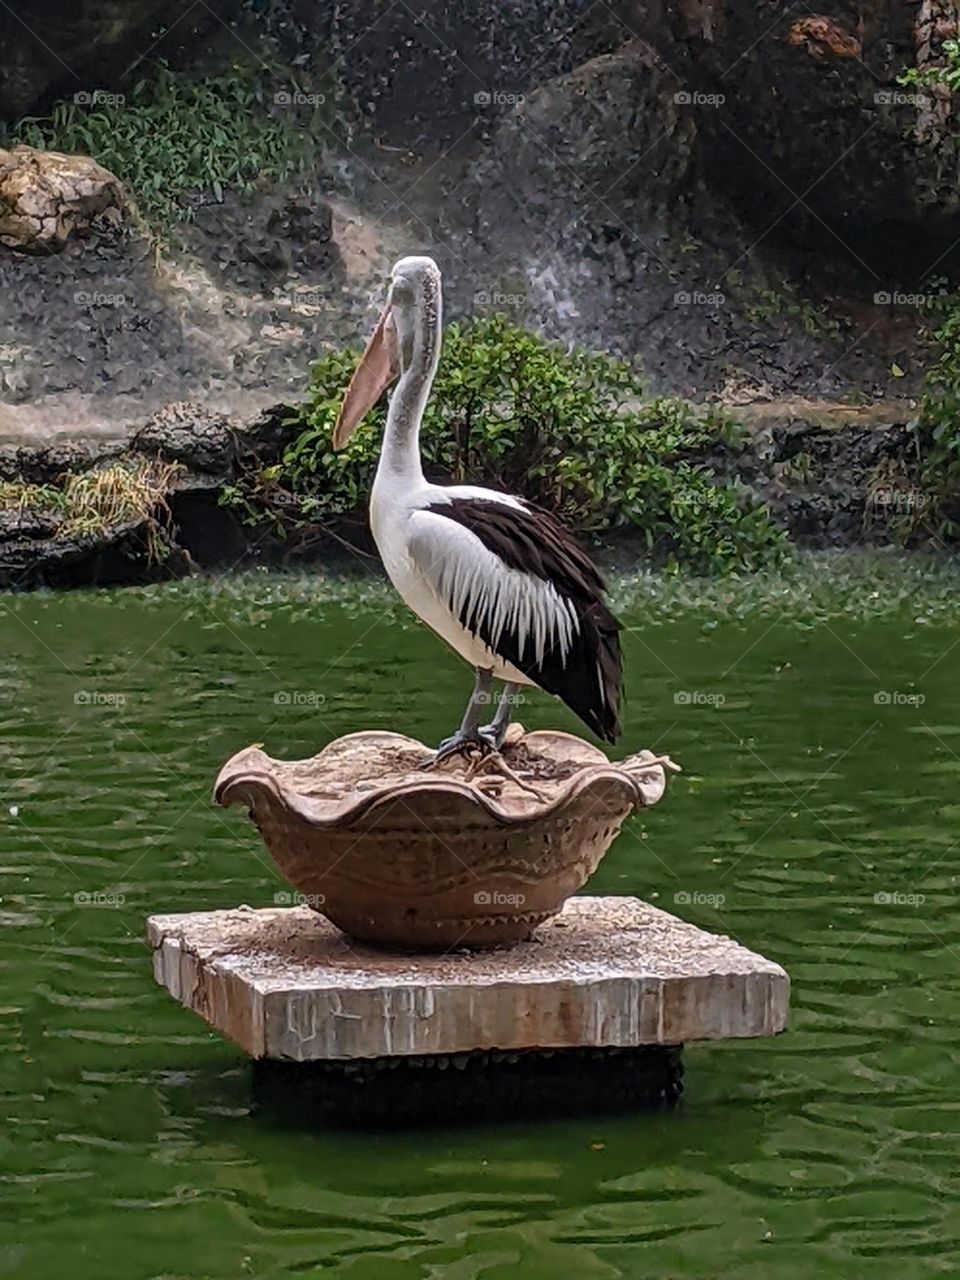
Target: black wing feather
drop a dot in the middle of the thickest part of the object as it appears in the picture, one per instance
(589, 676)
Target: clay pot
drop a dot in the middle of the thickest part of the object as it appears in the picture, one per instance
(468, 855)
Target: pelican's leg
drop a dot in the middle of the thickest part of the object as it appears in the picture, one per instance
(469, 730)
(495, 732)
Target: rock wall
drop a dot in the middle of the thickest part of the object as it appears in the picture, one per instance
(427, 69)
(814, 128)
(827, 486)
(801, 118)
(62, 47)
(640, 176)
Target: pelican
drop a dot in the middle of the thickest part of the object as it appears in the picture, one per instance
(501, 581)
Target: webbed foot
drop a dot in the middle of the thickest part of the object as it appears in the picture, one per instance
(493, 734)
(480, 741)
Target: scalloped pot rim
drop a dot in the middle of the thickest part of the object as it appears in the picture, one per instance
(251, 772)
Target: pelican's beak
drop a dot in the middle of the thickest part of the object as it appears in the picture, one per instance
(379, 366)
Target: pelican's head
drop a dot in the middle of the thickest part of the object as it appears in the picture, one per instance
(401, 341)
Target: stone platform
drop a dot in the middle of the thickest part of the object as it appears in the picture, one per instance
(607, 973)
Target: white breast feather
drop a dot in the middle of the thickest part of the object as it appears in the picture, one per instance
(471, 581)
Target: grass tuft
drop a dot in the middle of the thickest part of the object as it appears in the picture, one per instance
(115, 495)
(18, 495)
(92, 504)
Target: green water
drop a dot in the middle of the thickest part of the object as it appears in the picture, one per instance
(130, 1149)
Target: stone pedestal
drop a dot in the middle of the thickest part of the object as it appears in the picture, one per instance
(609, 972)
(589, 1015)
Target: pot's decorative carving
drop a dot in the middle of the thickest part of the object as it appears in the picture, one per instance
(471, 854)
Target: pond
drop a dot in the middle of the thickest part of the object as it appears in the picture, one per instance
(817, 722)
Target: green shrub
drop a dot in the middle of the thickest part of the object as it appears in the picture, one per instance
(945, 74)
(173, 138)
(939, 434)
(569, 431)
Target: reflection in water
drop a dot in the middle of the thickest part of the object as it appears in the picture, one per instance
(814, 821)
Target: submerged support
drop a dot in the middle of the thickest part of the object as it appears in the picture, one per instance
(469, 1088)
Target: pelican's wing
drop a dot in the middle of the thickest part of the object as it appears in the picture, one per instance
(514, 578)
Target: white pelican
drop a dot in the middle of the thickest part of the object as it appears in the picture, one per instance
(499, 580)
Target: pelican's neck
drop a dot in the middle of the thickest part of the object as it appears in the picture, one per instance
(400, 454)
